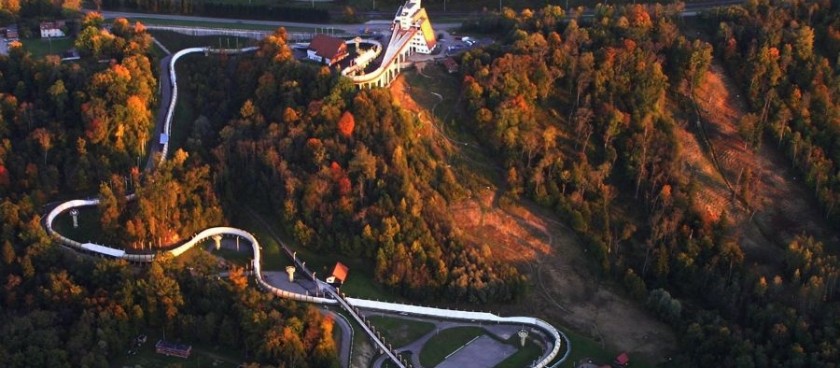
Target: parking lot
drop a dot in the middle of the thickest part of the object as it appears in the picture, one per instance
(456, 44)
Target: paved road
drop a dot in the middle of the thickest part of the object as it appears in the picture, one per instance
(165, 86)
(350, 28)
(345, 342)
(502, 331)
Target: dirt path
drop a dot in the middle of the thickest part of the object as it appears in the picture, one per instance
(778, 207)
(564, 290)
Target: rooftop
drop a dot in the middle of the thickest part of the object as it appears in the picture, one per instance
(340, 272)
(326, 46)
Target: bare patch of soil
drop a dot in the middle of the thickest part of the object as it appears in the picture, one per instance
(564, 290)
(563, 286)
(778, 207)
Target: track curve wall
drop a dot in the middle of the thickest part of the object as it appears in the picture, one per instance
(206, 234)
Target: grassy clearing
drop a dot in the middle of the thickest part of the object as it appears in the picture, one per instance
(202, 356)
(584, 347)
(89, 229)
(273, 258)
(39, 47)
(524, 356)
(182, 122)
(446, 342)
(359, 283)
(433, 79)
(238, 258)
(400, 332)
(361, 342)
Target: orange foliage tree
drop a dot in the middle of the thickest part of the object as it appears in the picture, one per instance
(346, 124)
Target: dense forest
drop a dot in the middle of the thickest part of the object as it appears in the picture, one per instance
(786, 56)
(347, 171)
(71, 129)
(584, 114)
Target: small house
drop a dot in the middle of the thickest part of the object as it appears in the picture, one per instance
(451, 65)
(52, 29)
(12, 33)
(339, 274)
(326, 49)
(173, 349)
(622, 360)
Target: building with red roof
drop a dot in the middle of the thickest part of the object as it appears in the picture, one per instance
(339, 274)
(622, 360)
(326, 49)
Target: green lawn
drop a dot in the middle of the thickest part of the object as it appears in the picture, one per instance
(238, 258)
(88, 230)
(202, 356)
(182, 122)
(273, 258)
(584, 347)
(400, 332)
(359, 283)
(446, 342)
(522, 357)
(39, 47)
(361, 341)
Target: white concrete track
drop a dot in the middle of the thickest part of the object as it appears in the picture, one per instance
(348, 304)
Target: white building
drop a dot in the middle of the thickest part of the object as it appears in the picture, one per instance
(413, 16)
(52, 29)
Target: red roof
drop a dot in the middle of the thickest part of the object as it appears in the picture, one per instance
(622, 359)
(340, 272)
(450, 64)
(328, 47)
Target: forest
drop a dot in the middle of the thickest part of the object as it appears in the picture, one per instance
(584, 114)
(69, 130)
(347, 172)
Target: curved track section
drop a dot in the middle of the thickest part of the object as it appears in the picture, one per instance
(368, 56)
(399, 40)
(534, 322)
(347, 303)
(170, 112)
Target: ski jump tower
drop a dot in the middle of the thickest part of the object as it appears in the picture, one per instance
(411, 32)
(412, 16)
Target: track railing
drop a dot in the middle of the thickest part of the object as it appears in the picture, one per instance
(349, 304)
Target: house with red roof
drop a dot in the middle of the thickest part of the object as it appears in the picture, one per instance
(339, 274)
(326, 49)
(622, 360)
